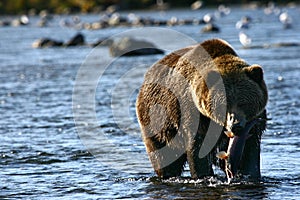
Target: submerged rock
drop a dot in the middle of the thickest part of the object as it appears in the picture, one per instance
(132, 47)
(77, 40)
(210, 28)
(102, 42)
(274, 45)
(46, 42)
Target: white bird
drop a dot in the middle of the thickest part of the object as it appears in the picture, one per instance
(208, 18)
(284, 17)
(243, 23)
(244, 39)
(223, 10)
(196, 5)
(286, 20)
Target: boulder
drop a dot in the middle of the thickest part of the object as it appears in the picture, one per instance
(46, 42)
(132, 47)
(102, 42)
(77, 40)
(210, 28)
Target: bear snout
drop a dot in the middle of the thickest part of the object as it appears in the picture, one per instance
(235, 122)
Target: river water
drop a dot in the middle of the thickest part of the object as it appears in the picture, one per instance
(68, 127)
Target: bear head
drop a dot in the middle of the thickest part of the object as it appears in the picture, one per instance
(228, 90)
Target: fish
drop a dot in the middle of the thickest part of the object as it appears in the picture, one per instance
(235, 149)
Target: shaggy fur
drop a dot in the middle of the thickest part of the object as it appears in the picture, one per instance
(188, 95)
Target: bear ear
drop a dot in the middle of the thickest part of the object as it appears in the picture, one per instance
(255, 72)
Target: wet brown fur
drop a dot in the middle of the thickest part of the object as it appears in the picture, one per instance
(175, 97)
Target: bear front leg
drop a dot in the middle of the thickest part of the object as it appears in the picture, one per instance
(172, 170)
(199, 167)
(166, 161)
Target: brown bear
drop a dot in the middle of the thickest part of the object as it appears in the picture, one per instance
(198, 101)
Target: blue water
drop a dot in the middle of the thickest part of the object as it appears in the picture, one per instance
(46, 154)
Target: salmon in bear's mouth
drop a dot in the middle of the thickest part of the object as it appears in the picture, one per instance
(235, 148)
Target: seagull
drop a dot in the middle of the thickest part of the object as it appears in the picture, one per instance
(223, 10)
(208, 18)
(244, 39)
(243, 23)
(286, 20)
(196, 5)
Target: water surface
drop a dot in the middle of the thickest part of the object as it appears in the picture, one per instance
(42, 155)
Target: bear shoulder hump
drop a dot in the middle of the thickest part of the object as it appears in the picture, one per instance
(218, 47)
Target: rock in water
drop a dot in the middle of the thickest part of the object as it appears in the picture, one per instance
(46, 42)
(132, 47)
(77, 40)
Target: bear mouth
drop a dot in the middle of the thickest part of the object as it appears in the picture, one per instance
(236, 147)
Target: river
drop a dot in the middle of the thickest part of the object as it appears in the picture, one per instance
(68, 127)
